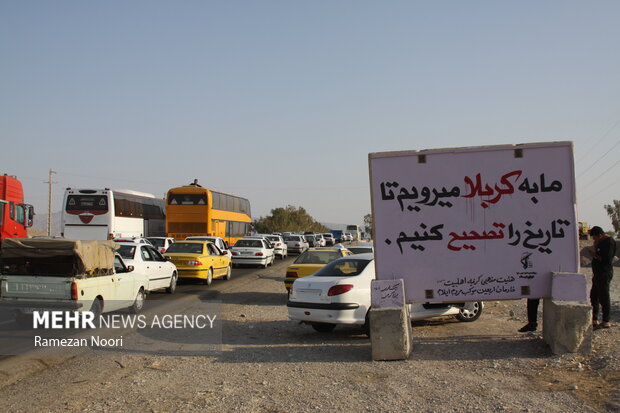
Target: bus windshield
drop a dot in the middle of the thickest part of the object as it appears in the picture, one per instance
(87, 202)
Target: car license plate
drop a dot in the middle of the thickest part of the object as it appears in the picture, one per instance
(310, 291)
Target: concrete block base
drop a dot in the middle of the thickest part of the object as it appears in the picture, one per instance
(390, 333)
(567, 326)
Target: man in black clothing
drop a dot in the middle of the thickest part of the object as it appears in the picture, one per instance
(603, 272)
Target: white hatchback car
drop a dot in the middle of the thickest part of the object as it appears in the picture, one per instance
(279, 246)
(218, 241)
(253, 251)
(147, 260)
(339, 293)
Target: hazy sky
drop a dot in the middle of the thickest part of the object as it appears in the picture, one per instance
(281, 101)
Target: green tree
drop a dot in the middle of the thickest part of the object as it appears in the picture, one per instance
(288, 219)
(614, 213)
(368, 225)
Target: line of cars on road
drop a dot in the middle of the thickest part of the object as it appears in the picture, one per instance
(328, 287)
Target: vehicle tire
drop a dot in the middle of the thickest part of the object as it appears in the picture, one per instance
(138, 304)
(366, 325)
(209, 279)
(97, 309)
(173, 284)
(470, 314)
(228, 273)
(323, 327)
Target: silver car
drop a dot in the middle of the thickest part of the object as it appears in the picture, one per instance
(296, 243)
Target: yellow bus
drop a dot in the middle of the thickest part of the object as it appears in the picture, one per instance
(192, 210)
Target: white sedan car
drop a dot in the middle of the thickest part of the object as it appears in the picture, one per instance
(161, 243)
(147, 260)
(339, 293)
(253, 251)
(296, 243)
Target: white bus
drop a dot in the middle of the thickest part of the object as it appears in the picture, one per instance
(99, 214)
(354, 230)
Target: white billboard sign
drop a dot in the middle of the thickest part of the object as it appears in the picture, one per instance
(479, 223)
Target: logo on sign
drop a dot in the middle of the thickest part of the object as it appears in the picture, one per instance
(526, 260)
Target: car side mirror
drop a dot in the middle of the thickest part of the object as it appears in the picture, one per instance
(224, 253)
(167, 258)
(130, 268)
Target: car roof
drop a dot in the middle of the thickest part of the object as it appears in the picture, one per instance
(368, 256)
(325, 249)
(127, 242)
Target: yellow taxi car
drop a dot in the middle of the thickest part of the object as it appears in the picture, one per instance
(310, 262)
(199, 259)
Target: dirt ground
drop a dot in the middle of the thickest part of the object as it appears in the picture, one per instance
(271, 364)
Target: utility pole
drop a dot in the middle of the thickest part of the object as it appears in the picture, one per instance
(49, 203)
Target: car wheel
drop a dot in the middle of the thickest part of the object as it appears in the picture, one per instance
(209, 278)
(471, 312)
(323, 327)
(173, 284)
(266, 264)
(366, 326)
(138, 304)
(228, 273)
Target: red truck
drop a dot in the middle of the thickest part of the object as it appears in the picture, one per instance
(15, 216)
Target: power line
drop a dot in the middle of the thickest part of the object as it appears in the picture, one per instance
(600, 140)
(604, 172)
(601, 157)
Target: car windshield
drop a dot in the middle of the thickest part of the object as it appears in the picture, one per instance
(249, 243)
(342, 268)
(290, 238)
(360, 250)
(186, 247)
(317, 257)
(273, 238)
(127, 251)
(158, 242)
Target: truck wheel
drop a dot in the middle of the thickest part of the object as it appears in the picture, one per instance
(96, 308)
(138, 304)
(173, 284)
